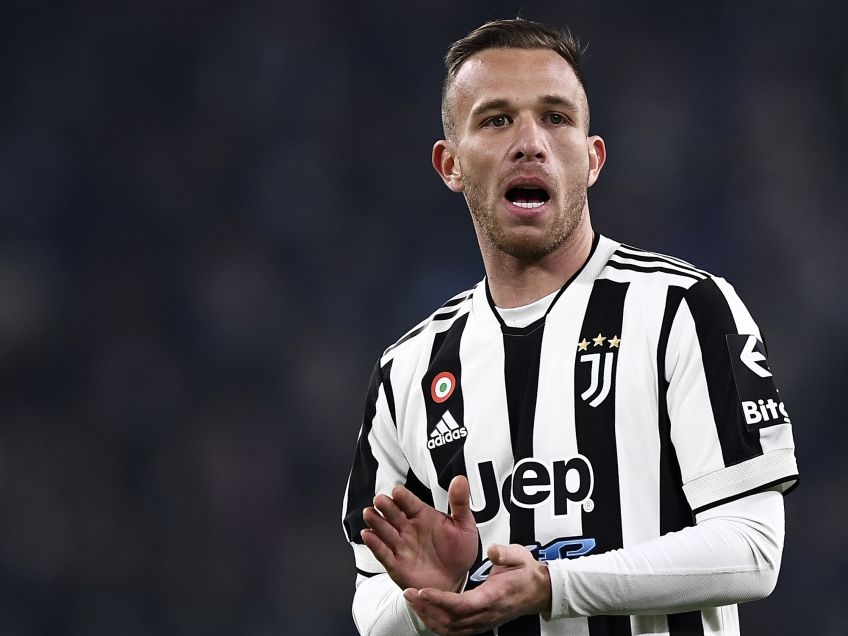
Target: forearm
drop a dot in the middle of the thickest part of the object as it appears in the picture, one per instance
(379, 609)
(731, 556)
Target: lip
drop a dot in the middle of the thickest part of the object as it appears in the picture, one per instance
(523, 181)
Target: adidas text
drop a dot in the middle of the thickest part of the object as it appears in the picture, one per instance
(445, 438)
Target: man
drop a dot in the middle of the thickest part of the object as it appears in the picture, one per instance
(590, 441)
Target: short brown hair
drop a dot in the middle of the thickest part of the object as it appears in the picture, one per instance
(514, 33)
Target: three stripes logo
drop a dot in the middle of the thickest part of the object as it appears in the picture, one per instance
(447, 430)
(600, 353)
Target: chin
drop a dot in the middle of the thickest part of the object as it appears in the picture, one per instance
(526, 248)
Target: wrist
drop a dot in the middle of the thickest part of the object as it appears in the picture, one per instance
(459, 587)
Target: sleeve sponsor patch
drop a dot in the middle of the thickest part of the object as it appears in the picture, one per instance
(759, 398)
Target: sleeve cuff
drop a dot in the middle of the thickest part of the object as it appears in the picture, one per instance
(559, 595)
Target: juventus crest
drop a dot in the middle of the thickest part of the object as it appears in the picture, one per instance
(600, 353)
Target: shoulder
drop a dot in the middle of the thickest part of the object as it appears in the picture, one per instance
(640, 266)
(656, 277)
(439, 320)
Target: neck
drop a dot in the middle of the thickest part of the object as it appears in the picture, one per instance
(515, 282)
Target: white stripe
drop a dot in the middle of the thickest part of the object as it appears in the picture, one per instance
(570, 626)
(744, 322)
(555, 436)
(391, 463)
(694, 432)
(658, 278)
(486, 417)
(654, 625)
(636, 409)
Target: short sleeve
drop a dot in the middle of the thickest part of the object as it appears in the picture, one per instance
(729, 425)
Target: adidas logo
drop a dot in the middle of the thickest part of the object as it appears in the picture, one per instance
(446, 431)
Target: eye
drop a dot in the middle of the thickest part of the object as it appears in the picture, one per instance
(498, 121)
(557, 119)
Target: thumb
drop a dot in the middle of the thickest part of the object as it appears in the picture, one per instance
(459, 498)
(508, 555)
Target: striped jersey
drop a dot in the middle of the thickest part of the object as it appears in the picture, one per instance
(642, 397)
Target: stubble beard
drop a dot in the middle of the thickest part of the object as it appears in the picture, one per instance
(525, 246)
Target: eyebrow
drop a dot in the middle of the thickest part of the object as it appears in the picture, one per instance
(501, 103)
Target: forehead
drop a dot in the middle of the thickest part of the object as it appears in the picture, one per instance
(515, 75)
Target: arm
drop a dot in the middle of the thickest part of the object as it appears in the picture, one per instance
(731, 555)
(379, 609)
(401, 540)
(418, 546)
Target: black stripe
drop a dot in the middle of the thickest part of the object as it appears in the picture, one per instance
(446, 315)
(713, 321)
(436, 316)
(363, 474)
(649, 270)
(417, 488)
(522, 353)
(675, 513)
(644, 255)
(458, 299)
(686, 624)
(448, 458)
(595, 429)
(763, 488)
(367, 575)
(386, 373)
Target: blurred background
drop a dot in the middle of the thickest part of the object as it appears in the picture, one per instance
(215, 215)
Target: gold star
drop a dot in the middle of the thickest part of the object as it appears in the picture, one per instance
(614, 341)
(598, 340)
(583, 345)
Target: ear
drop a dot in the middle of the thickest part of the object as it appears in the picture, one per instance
(445, 163)
(597, 157)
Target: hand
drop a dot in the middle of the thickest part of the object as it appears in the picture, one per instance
(419, 546)
(517, 585)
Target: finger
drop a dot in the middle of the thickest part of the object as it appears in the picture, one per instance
(457, 605)
(408, 502)
(459, 498)
(378, 548)
(385, 531)
(433, 618)
(390, 511)
(508, 555)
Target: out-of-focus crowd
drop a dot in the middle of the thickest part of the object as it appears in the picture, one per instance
(214, 216)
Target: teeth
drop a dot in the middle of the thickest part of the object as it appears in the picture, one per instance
(528, 205)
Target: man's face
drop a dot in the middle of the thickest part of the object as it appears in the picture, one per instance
(520, 153)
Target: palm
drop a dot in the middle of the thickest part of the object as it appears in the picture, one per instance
(420, 546)
(436, 545)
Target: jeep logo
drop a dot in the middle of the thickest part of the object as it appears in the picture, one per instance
(533, 482)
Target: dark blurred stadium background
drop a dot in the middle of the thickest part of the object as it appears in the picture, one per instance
(214, 216)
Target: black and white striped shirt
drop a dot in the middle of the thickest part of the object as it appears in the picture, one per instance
(641, 398)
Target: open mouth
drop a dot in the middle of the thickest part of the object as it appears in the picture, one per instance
(527, 197)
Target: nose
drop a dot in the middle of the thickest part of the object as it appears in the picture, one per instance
(529, 142)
